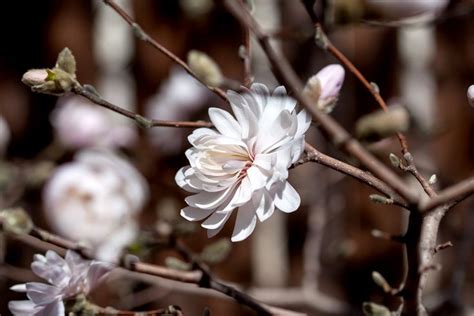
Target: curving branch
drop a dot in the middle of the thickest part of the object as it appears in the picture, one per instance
(337, 134)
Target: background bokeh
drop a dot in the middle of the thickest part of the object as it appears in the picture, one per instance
(326, 245)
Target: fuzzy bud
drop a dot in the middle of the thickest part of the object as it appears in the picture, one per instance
(470, 95)
(205, 68)
(16, 221)
(380, 124)
(323, 88)
(380, 281)
(372, 309)
(34, 77)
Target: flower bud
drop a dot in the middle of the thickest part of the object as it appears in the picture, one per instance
(205, 68)
(35, 77)
(396, 9)
(16, 221)
(4, 135)
(378, 125)
(470, 95)
(323, 88)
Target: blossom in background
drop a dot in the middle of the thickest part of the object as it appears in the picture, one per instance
(244, 164)
(396, 9)
(68, 278)
(79, 123)
(470, 95)
(4, 135)
(323, 88)
(95, 199)
(177, 99)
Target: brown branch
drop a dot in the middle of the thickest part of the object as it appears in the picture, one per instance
(452, 195)
(142, 121)
(338, 135)
(142, 35)
(201, 278)
(247, 56)
(413, 170)
(313, 155)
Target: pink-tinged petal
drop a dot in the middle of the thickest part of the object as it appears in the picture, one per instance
(195, 214)
(41, 294)
(264, 205)
(97, 272)
(244, 223)
(21, 288)
(331, 79)
(225, 123)
(216, 220)
(55, 308)
(23, 308)
(286, 198)
(55, 275)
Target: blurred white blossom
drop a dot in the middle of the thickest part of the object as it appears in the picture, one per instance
(68, 278)
(177, 99)
(244, 164)
(397, 9)
(95, 199)
(4, 135)
(79, 123)
(324, 87)
(470, 95)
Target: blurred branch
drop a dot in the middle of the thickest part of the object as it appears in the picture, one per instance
(201, 278)
(338, 135)
(142, 35)
(142, 121)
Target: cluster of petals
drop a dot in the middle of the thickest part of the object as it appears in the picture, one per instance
(244, 164)
(95, 199)
(67, 278)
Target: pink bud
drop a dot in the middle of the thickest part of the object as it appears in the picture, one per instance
(34, 77)
(330, 79)
(397, 9)
(470, 95)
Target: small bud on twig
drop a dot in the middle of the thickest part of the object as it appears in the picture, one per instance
(177, 264)
(373, 309)
(379, 199)
(380, 281)
(380, 124)
(205, 68)
(394, 160)
(433, 179)
(16, 221)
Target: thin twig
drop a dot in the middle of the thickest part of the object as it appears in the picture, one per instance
(312, 154)
(199, 277)
(338, 135)
(141, 120)
(413, 170)
(142, 35)
(452, 195)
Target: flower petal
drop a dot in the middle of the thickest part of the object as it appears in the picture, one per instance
(55, 308)
(244, 223)
(22, 308)
(195, 214)
(264, 205)
(218, 219)
(225, 123)
(286, 198)
(40, 293)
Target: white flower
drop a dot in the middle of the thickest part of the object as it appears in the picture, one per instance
(397, 9)
(68, 277)
(95, 199)
(4, 135)
(79, 124)
(244, 164)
